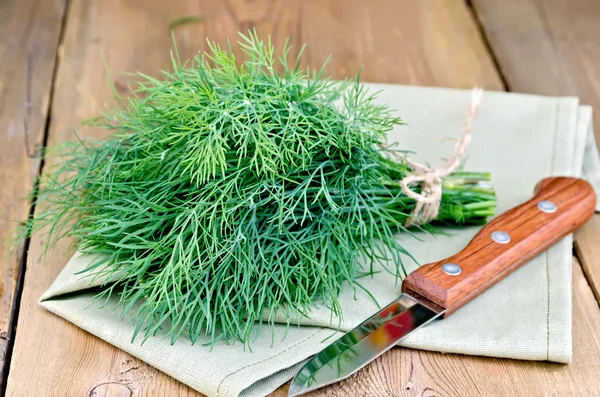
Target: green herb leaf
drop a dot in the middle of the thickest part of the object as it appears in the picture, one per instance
(229, 192)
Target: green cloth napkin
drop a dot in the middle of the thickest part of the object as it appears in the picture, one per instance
(520, 139)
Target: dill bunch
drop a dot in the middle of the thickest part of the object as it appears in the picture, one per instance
(229, 191)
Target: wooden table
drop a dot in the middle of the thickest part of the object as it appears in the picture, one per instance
(52, 76)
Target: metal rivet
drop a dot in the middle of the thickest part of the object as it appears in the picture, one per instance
(451, 268)
(501, 237)
(547, 206)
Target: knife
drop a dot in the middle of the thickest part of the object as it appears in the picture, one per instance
(435, 290)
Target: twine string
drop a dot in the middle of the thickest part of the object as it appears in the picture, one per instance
(430, 179)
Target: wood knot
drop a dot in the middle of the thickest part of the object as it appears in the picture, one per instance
(111, 389)
(121, 88)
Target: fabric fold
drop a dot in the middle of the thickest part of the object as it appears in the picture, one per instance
(518, 138)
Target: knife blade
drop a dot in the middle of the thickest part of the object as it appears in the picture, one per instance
(560, 205)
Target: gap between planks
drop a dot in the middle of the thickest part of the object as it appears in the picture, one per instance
(428, 33)
(541, 50)
(26, 103)
(487, 44)
(417, 77)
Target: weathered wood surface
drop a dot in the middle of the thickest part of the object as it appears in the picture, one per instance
(426, 42)
(587, 246)
(134, 36)
(548, 47)
(66, 360)
(29, 36)
(551, 47)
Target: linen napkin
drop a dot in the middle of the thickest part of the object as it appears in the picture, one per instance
(520, 139)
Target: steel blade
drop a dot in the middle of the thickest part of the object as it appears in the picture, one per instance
(363, 344)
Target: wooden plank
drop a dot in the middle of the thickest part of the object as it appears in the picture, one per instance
(430, 43)
(30, 31)
(548, 47)
(551, 47)
(587, 246)
(75, 363)
(405, 372)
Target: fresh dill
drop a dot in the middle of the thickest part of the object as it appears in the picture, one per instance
(230, 191)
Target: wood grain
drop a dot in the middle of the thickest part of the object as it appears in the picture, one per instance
(587, 247)
(485, 262)
(548, 47)
(30, 31)
(428, 42)
(74, 362)
(399, 41)
(409, 373)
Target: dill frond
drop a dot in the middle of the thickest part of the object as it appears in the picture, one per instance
(231, 191)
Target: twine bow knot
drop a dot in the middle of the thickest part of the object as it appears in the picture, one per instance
(430, 179)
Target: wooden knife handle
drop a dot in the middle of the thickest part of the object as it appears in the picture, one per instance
(560, 206)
